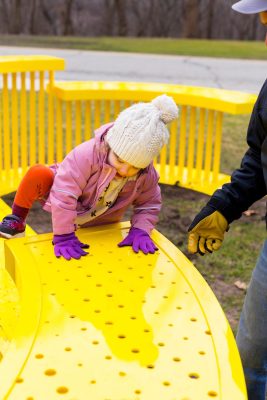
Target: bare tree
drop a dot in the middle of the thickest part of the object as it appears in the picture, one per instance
(67, 23)
(120, 9)
(156, 18)
(48, 16)
(191, 19)
(253, 27)
(164, 17)
(142, 12)
(210, 19)
(5, 15)
(12, 15)
(108, 17)
(32, 28)
(16, 17)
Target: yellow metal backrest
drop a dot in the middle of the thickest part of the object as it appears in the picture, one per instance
(192, 157)
(26, 113)
(29, 132)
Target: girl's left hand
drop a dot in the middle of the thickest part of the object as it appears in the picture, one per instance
(139, 240)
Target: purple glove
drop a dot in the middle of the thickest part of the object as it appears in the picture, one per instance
(69, 246)
(139, 240)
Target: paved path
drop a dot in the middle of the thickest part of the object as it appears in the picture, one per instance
(244, 75)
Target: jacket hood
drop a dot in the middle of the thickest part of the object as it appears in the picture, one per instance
(102, 131)
(100, 143)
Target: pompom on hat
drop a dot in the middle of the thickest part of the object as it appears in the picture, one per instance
(250, 6)
(140, 131)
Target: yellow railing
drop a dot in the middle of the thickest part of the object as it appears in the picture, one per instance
(39, 125)
(192, 157)
(26, 115)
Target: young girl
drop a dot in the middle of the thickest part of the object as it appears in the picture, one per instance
(99, 179)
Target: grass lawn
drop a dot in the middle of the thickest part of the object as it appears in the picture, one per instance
(183, 47)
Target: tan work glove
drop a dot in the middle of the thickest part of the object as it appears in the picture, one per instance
(206, 232)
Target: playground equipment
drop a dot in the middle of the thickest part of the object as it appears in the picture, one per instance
(119, 326)
(114, 325)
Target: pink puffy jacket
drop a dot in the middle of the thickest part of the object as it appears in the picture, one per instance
(84, 173)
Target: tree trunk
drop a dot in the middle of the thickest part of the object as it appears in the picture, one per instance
(191, 19)
(210, 12)
(68, 25)
(143, 16)
(5, 15)
(108, 17)
(16, 17)
(32, 18)
(122, 22)
(48, 17)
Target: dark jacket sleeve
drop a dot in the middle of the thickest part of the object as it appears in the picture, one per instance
(247, 183)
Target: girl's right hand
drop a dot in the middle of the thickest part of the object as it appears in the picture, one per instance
(69, 246)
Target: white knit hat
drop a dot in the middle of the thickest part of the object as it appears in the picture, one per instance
(140, 131)
(250, 6)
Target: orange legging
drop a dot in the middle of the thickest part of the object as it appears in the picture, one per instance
(35, 185)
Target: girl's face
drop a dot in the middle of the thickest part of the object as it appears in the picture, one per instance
(123, 168)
